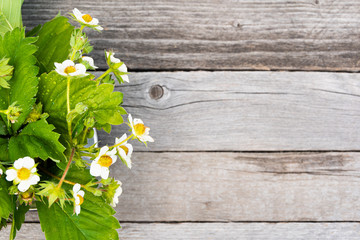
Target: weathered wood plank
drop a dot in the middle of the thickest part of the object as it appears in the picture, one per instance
(245, 111)
(239, 187)
(218, 231)
(213, 34)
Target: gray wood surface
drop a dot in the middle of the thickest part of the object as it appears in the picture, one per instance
(239, 187)
(218, 231)
(219, 165)
(245, 111)
(218, 35)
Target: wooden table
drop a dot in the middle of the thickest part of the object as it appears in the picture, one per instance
(255, 108)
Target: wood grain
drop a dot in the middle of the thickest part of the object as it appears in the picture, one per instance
(228, 187)
(218, 231)
(219, 35)
(245, 111)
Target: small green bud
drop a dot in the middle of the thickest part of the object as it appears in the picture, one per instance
(35, 114)
(13, 112)
(89, 122)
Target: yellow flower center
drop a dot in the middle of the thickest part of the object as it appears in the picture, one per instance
(81, 199)
(23, 174)
(87, 18)
(139, 129)
(105, 161)
(125, 149)
(70, 69)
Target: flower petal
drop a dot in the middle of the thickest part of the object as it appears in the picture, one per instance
(77, 209)
(125, 78)
(81, 193)
(95, 169)
(67, 63)
(114, 59)
(34, 179)
(77, 14)
(76, 188)
(80, 68)
(137, 121)
(28, 162)
(123, 68)
(123, 137)
(11, 174)
(77, 199)
(113, 157)
(24, 186)
(105, 172)
(103, 150)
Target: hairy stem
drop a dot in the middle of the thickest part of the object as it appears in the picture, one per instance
(68, 107)
(104, 74)
(84, 136)
(67, 168)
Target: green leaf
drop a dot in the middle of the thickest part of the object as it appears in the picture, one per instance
(5, 26)
(10, 15)
(95, 222)
(6, 201)
(5, 72)
(33, 32)
(37, 139)
(18, 219)
(4, 152)
(53, 43)
(23, 84)
(102, 103)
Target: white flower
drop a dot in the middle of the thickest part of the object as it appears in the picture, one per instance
(78, 198)
(122, 68)
(86, 19)
(117, 194)
(1, 172)
(69, 68)
(125, 150)
(23, 173)
(100, 166)
(90, 61)
(139, 130)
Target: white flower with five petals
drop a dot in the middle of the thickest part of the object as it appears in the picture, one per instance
(86, 19)
(139, 130)
(125, 150)
(100, 165)
(78, 198)
(23, 173)
(69, 68)
(122, 68)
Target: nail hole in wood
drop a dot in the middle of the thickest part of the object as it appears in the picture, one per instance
(156, 92)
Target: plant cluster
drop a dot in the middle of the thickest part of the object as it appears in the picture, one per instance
(50, 105)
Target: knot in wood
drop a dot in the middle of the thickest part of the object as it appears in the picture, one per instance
(156, 92)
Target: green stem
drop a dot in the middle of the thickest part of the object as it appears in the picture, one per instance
(68, 94)
(67, 168)
(122, 141)
(85, 133)
(56, 177)
(73, 54)
(104, 74)
(68, 107)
